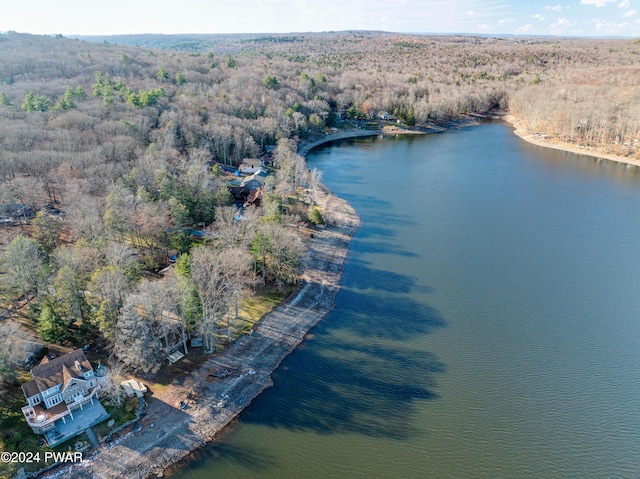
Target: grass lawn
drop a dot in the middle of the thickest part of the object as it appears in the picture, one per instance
(252, 309)
(249, 313)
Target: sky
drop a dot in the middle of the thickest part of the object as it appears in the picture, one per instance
(516, 17)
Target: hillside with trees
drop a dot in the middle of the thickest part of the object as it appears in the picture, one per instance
(116, 158)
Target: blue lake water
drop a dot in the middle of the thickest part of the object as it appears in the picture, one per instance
(488, 324)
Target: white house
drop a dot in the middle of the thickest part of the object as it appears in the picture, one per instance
(250, 165)
(62, 397)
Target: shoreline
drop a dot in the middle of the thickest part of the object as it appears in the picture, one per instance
(169, 434)
(305, 148)
(536, 140)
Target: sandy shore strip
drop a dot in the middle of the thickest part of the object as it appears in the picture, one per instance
(168, 433)
(305, 148)
(539, 141)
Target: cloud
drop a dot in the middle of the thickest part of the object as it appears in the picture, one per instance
(521, 30)
(485, 27)
(609, 28)
(624, 4)
(629, 13)
(598, 3)
(539, 17)
(563, 26)
(564, 22)
(555, 8)
(504, 21)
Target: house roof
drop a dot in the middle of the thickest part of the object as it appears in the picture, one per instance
(255, 177)
(239, 192)
(67, 375)
(30, 389)
(60, 370)
(250, 162)
(254, 196)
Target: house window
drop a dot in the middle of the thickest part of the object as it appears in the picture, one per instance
(35, 400)
(55, 400)
(51, 392)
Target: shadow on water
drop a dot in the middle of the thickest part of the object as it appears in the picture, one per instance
(363, 202)
(385, 248)
(397, 318)
(373, 231)
(352, 390)
(377, 279)
(377, 214)
(379, 227)
(252, 458)
(355, 377)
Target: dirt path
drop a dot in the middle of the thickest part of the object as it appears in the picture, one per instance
(169, 433)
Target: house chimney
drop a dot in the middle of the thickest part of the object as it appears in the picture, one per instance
(78, 365)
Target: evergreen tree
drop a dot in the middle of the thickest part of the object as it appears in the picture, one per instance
(271, 82)
(51, 326)
(46, 231)
(33, 102)
(180, 79)
(162, 75)
(65, 102)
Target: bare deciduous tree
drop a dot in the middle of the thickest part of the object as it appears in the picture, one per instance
(24, 266)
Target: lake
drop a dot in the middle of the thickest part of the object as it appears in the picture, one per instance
(488, 324)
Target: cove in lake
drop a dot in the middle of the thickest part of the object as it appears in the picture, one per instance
(487, 326)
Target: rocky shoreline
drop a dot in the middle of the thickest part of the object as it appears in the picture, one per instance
(169, 433)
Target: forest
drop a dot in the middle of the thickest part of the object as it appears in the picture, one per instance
(116, 157)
